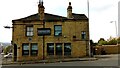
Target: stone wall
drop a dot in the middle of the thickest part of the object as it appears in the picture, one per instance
(70, 28)
(109, 49)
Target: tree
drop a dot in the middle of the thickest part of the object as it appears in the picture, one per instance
(7, 49)
(92, 43)
(118, 40)
(102, 41)
(112, 42)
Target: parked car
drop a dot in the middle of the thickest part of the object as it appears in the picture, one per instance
(9, 55)
(2, 53)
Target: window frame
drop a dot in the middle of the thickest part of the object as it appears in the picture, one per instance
(50, 52)
(83, 35)
(29, 32)
(58, 52)
(57, 30)
(67, 53)
(31, 51)
(23, 54)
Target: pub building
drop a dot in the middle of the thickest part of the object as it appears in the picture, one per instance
(45, 36)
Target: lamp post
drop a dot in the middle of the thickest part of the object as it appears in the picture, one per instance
(89, 47)
(115, 29)
(7, 27)
(88, 7)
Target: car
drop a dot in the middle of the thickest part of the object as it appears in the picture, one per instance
(2, 53)
(9, 55)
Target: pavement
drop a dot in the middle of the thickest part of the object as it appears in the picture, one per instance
(52, 61)
(95, 57)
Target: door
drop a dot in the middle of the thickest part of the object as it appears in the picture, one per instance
(15, 52)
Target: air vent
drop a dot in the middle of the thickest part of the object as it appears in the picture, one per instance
(29, 39)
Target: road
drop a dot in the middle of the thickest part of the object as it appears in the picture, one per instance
(107, 60)
(104, 61)
(1, 60)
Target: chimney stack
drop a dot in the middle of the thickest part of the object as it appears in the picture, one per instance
(69, 11)
(41, 10)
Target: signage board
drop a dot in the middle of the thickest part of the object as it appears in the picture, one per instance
(43, 31)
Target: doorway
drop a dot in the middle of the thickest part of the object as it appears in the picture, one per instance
(15, 52)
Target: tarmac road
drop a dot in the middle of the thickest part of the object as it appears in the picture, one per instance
(104, 61)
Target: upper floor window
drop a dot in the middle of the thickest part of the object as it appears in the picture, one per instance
(58, 30)
(83, 35)
(29, 31)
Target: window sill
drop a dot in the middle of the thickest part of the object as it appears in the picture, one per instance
(33, 55)
(58, 36)
(75, 39)
(25, 55)
(29, 36)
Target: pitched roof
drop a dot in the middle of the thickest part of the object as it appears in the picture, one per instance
(51, 17)
(79, 16)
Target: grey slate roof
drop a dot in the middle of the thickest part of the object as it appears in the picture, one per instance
(51, 17)
(79, 16)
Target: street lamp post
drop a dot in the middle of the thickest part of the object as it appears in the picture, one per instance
(89, 47)
(115, 29)
(88, 7)
(7, 27)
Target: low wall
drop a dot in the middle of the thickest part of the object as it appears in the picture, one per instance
(108, 49)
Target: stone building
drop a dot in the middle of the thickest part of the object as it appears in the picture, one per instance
(45, 36)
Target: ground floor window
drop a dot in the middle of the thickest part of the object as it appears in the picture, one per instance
(67, 48)
(25, 49)
(34, 49)
(58, 48)
(31, 49)
(50, 48)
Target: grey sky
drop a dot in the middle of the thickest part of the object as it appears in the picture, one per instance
(101, 13)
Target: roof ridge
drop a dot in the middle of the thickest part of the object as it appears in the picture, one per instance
(55, 15)
(78, 14)
(51, 17)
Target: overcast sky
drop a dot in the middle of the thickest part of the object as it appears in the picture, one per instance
(101, 13)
